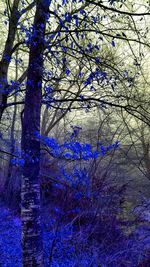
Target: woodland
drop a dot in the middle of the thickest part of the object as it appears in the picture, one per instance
(74, 133)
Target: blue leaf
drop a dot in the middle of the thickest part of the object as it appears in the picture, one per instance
(68, 17)
(64, 2)
(64, 49)
(67, 71)
(76, 20)
(82, 12)
(113, 43)
(97, 60)
(94, 20)
(96, 47)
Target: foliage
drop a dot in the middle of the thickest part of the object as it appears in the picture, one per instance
(81, 58)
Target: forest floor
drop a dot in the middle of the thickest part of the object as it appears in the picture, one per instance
(10, 239)
(61, 247)
(10, 244)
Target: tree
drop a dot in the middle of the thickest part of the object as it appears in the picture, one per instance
(30, 193)
(13, 15)
(58, 43)
(86, 19)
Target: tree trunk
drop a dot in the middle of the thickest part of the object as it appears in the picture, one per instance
(5, 61)
(11, 190)
(146, 151)
(30, 189)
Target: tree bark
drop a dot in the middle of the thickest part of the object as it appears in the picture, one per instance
(12, 184)
(5, 61)
(30, 189)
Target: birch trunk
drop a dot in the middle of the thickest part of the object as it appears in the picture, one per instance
(30, 189)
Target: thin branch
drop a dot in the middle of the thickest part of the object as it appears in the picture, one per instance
(116, 10)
